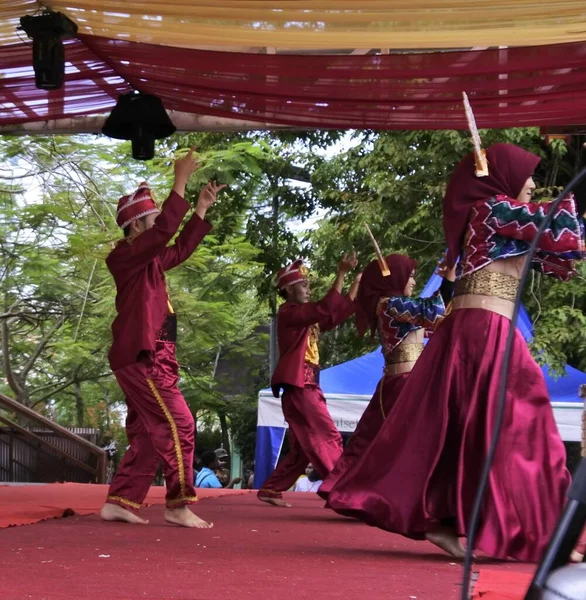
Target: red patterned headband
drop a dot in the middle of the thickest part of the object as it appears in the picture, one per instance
(135, 206)
(294, 273)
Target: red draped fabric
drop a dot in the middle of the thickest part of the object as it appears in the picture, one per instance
(512, 87)
(91, 86)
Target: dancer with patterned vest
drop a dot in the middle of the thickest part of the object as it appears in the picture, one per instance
(384, 302)
(442, 423)
(313, 437)
(159, 424)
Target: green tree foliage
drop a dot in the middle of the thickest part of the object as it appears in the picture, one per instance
(395, 182)
(53, 282)
(58, 200)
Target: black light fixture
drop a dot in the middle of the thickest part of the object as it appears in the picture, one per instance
(142, 119)
(47, 31)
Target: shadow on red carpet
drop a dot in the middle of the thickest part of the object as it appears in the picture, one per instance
(25, 504)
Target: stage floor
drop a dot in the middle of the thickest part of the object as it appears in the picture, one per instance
(254, 550)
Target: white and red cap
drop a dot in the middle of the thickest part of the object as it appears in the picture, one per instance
(294, 273)
(137, 205)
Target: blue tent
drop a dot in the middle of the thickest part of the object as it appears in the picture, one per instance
(359, 377)
(350, 385)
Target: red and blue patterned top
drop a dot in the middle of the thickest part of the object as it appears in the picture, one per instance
(502, 228)
(400, 315)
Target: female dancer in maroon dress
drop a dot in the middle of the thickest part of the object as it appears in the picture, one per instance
(420, 474)
(385, 303)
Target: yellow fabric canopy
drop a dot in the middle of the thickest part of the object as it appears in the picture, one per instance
(10, 13)
(328, 24)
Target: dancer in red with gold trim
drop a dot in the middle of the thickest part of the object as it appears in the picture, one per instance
(442, 424)
(313, 437)
(159, 425)
(384, 302)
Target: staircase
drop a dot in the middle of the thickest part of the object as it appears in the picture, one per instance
(37, 450)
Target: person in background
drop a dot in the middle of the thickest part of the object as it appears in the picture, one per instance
(223, 458)
(223, 476)
(207, 478)
(310, 482)
(110, 448)
(247, 475)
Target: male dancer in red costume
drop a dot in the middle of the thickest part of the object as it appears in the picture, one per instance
(159, 425)
(313, 437)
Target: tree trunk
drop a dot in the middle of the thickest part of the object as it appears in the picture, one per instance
(79, 405)
(108, 416)
(224, 428)
(221, 413)
(13, 379)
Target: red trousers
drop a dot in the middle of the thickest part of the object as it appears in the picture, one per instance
(313, 438)
(160, 428)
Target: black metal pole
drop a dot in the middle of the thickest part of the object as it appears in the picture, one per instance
(273, 348)
(566, 535)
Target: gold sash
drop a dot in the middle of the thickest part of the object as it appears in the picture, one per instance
(487, 290)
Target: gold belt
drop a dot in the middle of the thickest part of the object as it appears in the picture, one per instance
(404, 353)
(399, 368)
(488, 283)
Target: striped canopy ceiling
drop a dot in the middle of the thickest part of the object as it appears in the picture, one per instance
(380, 64)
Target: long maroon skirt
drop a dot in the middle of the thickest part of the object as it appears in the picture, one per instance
(369, 425)
(424, 466)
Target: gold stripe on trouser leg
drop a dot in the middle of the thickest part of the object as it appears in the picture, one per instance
(176, 443)
(122, 500)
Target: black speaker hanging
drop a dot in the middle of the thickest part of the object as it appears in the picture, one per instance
(142, 119)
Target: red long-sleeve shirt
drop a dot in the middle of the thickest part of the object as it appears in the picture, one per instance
(293, 324)
(138, 266)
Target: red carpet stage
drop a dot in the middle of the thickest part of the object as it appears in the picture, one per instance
(502, 583)
(253, 551)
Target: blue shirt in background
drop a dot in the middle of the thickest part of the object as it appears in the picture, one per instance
(206, 478)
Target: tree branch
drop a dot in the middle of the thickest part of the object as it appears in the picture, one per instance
(87, 291)
(64, 386)
(28, 315)
(40, 347)
(9, 373)
(53, 392)
(49, 386)
(216, 361)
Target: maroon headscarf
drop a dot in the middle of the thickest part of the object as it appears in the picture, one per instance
(509, 168)
(373, 287)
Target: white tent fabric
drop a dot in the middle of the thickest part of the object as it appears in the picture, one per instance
(361, 376)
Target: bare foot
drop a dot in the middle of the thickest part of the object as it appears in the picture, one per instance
(275, 501)
(576, 557)
(447, 540)
(185, 518)
(113, 512)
